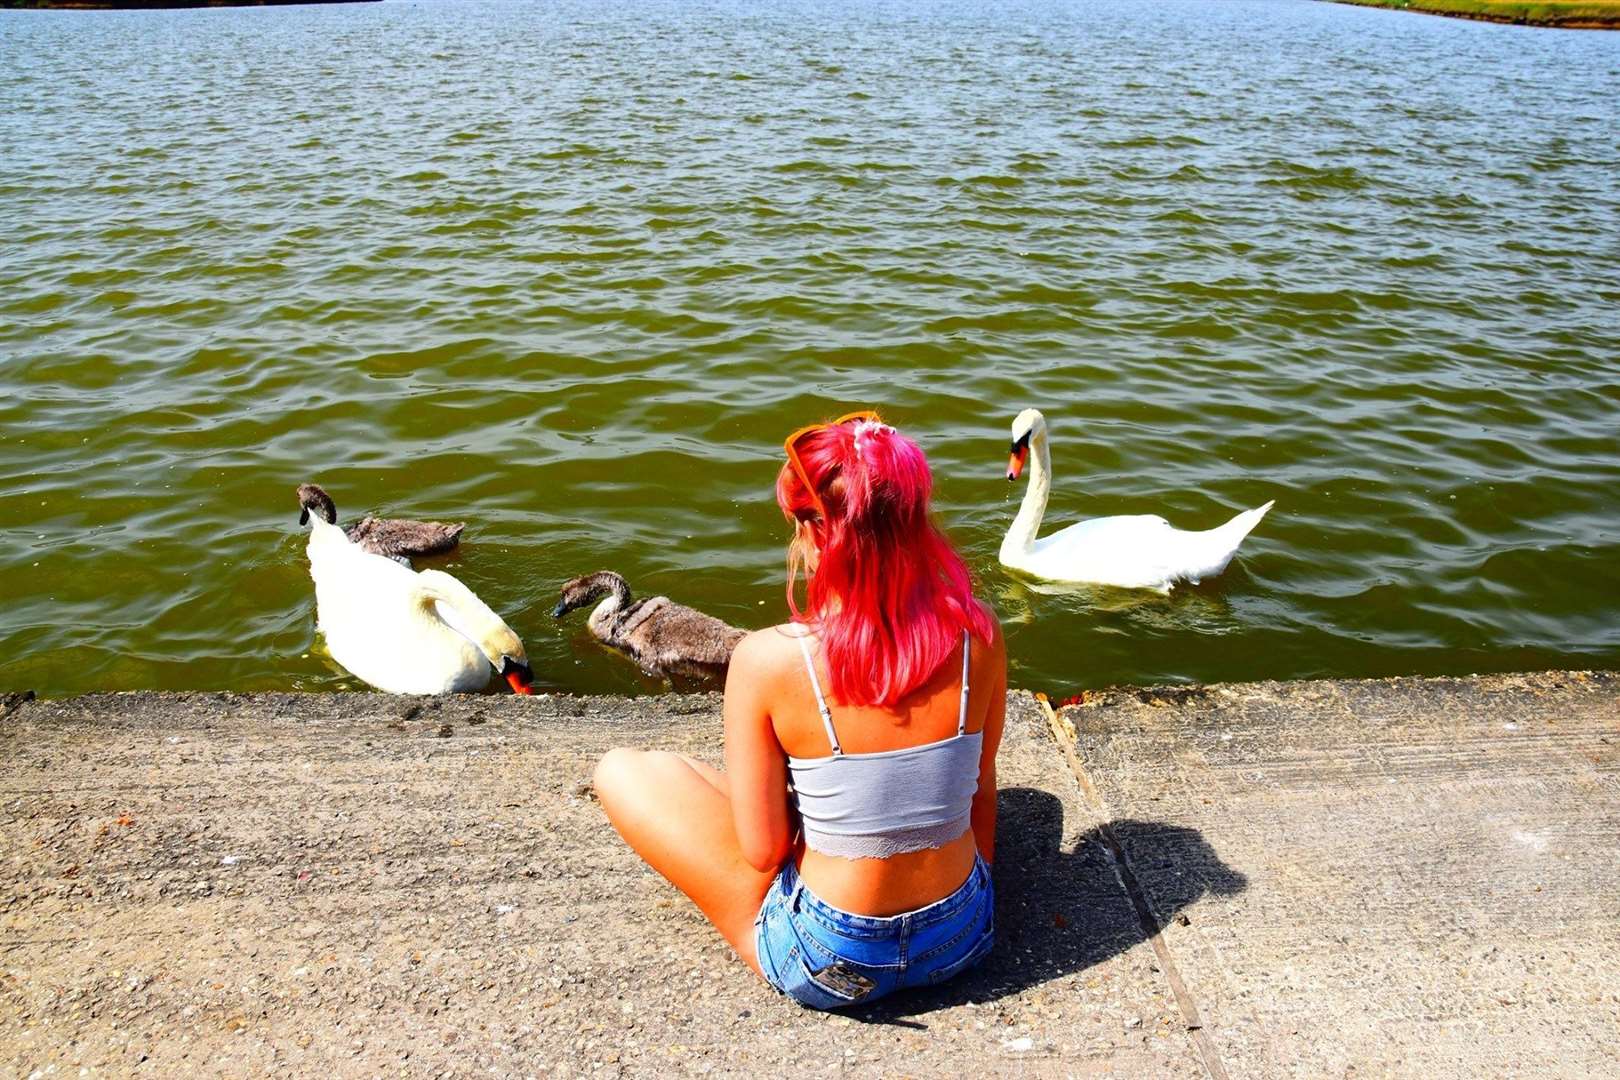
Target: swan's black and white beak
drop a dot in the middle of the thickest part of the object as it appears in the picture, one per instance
(517, 676)
(1020, 455)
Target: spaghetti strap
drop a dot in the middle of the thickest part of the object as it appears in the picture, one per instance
(881, 803)
(821, 702)
(961, 717)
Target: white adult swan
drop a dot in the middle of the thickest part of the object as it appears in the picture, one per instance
(1134, 551)
(402, 631)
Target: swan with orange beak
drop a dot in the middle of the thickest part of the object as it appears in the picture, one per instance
(402, 631)
(1131, 551)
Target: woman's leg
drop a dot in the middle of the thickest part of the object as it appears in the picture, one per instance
(711, 775)
(674, 812)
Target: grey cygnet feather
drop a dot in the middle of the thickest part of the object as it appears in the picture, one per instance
(395, 538)
(663, 637)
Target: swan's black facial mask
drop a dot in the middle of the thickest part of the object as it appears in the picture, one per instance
(517, 676)
(1020, 455)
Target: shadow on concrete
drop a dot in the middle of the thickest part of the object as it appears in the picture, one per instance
(1059, 912)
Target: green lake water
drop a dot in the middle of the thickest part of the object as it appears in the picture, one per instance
(570, 271)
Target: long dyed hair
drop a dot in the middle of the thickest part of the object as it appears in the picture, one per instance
(889, 596)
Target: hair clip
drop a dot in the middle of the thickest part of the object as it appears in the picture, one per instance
(868, 427)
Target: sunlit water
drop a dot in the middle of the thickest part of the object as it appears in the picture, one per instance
(570, 271)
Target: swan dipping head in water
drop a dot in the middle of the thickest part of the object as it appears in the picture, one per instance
(402, 631)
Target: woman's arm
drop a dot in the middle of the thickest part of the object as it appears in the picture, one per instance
(984, 800)
(756, 764)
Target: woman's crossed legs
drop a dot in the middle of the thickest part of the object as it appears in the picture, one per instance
(675, 813)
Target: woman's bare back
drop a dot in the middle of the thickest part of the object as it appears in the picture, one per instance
(928, 714)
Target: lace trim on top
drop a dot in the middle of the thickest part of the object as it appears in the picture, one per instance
(886, 845)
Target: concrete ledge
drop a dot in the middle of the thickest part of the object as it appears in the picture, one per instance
(1432, 866)
(1293, 879)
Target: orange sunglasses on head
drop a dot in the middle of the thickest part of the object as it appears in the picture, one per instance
(798, 466)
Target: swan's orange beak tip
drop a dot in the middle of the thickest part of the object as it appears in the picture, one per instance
(1015, 464)
(518, 684)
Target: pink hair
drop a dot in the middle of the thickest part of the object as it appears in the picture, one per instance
(890, 595)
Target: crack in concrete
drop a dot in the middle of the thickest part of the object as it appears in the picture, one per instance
(1139, 901)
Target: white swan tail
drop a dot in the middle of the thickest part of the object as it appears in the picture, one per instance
(1213, 549)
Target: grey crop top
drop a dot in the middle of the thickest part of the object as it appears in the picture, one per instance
(872, 806)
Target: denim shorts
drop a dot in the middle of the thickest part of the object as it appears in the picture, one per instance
(826, 958)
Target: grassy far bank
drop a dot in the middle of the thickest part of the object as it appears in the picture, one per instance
(1566, 14)
(114, 5)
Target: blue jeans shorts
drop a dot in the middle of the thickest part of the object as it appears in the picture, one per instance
(826, 958)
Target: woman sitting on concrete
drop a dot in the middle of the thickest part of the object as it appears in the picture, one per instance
(882, 704)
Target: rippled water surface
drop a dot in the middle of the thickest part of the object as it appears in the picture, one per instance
(570, 271)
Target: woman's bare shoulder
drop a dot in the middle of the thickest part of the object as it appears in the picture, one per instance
(762, 664)
(769, 649)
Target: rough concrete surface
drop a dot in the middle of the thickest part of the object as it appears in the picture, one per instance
(360, 885)
(1432, 867)
(1412, 878)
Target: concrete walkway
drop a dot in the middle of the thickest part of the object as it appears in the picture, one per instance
(1432, 867)
(1413, 878)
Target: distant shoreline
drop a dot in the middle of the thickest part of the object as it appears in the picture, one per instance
(134, 5)
(1556, 14)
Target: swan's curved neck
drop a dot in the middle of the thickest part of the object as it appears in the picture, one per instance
(1021, 537)
(605, 614)
(444, 603)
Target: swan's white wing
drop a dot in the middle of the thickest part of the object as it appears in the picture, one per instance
(1135, 551)
(1139, 551)
(351, 584)
(366, 610)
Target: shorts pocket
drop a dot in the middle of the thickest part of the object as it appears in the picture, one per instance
(831, 985)
(980, 950)
(967, 928)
